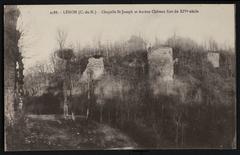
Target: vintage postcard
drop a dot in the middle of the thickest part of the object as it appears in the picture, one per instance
(82, 77)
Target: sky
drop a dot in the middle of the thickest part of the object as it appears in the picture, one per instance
(214, 21)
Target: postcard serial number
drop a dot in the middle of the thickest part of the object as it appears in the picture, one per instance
(73, 12)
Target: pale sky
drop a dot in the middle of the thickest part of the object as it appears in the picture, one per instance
(213, 21)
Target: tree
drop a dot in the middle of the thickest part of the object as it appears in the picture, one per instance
(13, 66)
(212, 45)
(61, 38)
(66, 54)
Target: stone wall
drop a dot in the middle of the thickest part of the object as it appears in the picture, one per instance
(213, 58)
(161, 64)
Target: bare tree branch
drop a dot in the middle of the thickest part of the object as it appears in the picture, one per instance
(61, 38)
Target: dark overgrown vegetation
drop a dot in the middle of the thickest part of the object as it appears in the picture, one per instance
(203, 116)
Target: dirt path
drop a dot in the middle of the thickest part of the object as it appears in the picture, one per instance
(49, 132)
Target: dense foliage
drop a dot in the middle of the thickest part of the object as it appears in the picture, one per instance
(199, 111)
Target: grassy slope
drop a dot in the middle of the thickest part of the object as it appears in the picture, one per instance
(60, 134)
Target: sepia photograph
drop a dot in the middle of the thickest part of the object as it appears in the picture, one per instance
(119, 77)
